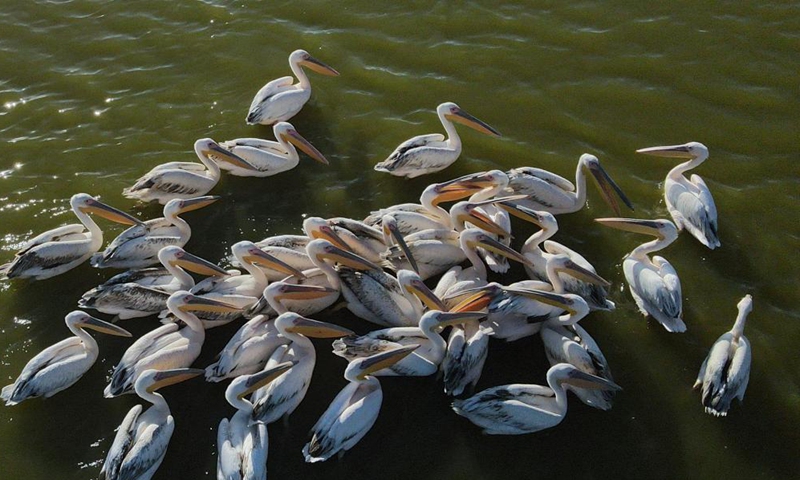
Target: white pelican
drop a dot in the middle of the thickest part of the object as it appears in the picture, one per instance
(242, 443)
(354, 410)
(143, 292)
(572, 344)
(689, 201)
(352, 235)
(467, 349)
(248, 350)
(654, 284)
(281, 397)
(425, 154)
(59, 366)
(595, 295)
(139, 245)
(142, 438)
(519, 408)
(267, 157)
(726, 370)
(64, 248)
(290, 249)
(280, 99)
(555, 194)
(184, 179)
(168, 346)
(305, 296)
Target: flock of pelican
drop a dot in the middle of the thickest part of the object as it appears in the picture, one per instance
(379, 267)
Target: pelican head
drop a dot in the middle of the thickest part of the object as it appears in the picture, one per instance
(207, 148)
(248, 252)
(88, 204)
(81, 319)
(151, 380)
(244, 385)
(691, 150)
(468, 212)
(473, 238)
(591, 165)
(303, 58)
(319, 228)
(454, 113)
(562, 263)
(476, 299)
(566, 373)
(661, 229)
(542, 219)
(438, 319)
(392, 234)
(280, 291)
(291, 322)
(187, 302)
(176, 256)
(286, 132)
(323, 249)
(359, 368)
(177, 206)
(413, 284)
(745, 305)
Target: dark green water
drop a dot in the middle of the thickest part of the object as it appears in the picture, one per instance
(95, 93)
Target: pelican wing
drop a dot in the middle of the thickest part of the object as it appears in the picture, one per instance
(50, 371)
(271, 89)
(123, 441)
(466, 354)
(724, 374)
(692, 207)
(352, 346)
(147, 277)
(545, 190)
(248, 350)
(187, 166)
(414, 154)
(41, 260)
(657, 291)
(165, 336)
(510, 409)
(240, 145)
(174, 181)
(228, 462)
(148, 449)
(60, 234)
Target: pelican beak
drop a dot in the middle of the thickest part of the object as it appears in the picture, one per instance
(477, 300)
(298, 141)
(319, 67)
(326, 232)
(390, 230)
(426, 296)
(581, 379)
(110, 213)
(264, 377)
(260, 257)
(220, 153)
(455, 318)
(463, 187)
(103, 327)
(492, 245)
(349, 259)
(198, 265)
(482, 221)
(670, 151)
(200, 304)
(574, 270)
(316, 329)
(525, 213)
(289, 291)
(549, 298)
(464, 118)
(170, 377)
(196, 203)
(647, 227)
(384, 360)
(606, 185)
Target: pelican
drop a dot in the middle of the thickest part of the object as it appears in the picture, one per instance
(280, 99)
(142, 438)
(425, 154)
(347, 234)
(595, 295)
(59, 366)
(139, 245)
(555, 194)
(689, 201)
(270, 158)
(726, 370)
(290, 249)
(467, 349)
(143, 292)
(168, 346)
(572, 344)
(184, 179)
(281, 397)
(654, 284)
(305, 296)
(248, 350)
(517, 409)
(355, 409)
(64, 248)
(242, 443)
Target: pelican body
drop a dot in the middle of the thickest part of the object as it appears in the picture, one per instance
(59, 366)
(64, 248)
(425, 154)
(726, 370)
(689, 201)
(142, 438)
(281, 99)
(248, 350)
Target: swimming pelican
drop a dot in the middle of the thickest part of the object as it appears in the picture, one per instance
(142, 438)
(143, 292)
(267, 157)
(354, 410)
(654, 284)
(280, 99)
(425, 154)
(139, 245)
(168, 346)
(689, 201)
(59, 366)
(555, 194)
(282, 396)
(64, 248)
(184, 179)
(572, 344)
(726, 370)
(519, 408)
(242, 442)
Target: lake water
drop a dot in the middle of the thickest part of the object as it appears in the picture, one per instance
(95, 93)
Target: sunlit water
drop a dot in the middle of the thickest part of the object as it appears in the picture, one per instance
(93, 94)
